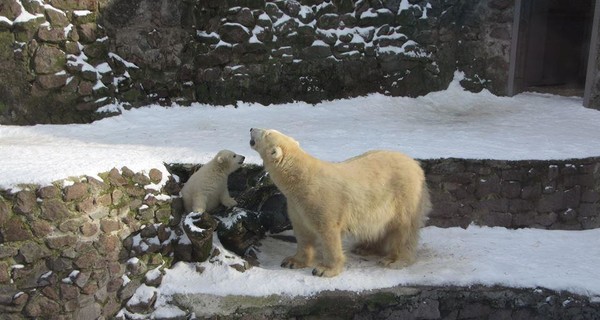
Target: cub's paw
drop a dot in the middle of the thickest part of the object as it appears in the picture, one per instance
(323, 271)
(293, 263)
(229, 203)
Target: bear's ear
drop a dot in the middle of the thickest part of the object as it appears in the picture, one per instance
(276, 153)
(220, 159)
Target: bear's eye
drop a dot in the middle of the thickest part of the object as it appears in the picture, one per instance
(234, 155)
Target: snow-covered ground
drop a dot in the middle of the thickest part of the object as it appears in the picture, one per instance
(559, 260)
(450, 123)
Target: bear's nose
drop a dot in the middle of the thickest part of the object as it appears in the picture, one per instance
(251, 129)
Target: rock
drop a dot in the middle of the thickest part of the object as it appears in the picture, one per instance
(58, 19)
(16, 230)
(316, 51)
(239, 229)
(245, 18)
(89, 229)
(41, 228)
(90, 311)
(10, 9)
(40, 306)
(31, 252)
(234, 33)
(199, 229)
(51, 81)
(49, 59)
(87, 32)
(328, 21)
(292, 8)
(143, 301)
(51, 35)
(62, 241)
(4, 212)
(75, 5)
(155, 175)
(54, 210)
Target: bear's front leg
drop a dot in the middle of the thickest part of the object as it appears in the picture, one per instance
(305, 251)
(333, 255)
(303, 258)
(227, 200)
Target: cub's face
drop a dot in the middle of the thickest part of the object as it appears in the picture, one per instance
(271, 144)
(230, 160)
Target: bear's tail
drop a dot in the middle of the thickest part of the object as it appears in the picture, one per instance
(425, 206)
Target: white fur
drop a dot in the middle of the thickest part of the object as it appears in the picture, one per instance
(207, 187)
(379, 197)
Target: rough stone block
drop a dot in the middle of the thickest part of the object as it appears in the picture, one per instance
(77, 191)
(552, 202)
(589, 196)
(25, 202)
(87, 260)
(16, 230)
(49, 59)
(589, 210)
(40, 306)
(49, 192)
(54, 210)
(546, 219)
(530, 192)
(568, 215)
(510, 189)
(89, 229)
(51, 81)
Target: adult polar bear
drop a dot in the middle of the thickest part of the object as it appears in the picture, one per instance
(379, 197)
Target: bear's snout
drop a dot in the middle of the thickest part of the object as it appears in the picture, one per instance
(242, 160)
(252, 141)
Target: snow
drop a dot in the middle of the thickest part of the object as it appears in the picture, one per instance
(449, 123)
(6, 20)
(523, 258)
(82, 13)
(190, 221)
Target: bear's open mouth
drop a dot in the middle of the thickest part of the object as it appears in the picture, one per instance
(252, 142)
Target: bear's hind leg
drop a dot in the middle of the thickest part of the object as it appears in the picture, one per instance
(368, 248)
(401, 244)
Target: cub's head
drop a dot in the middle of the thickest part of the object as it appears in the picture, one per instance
(272, 145)
(229, 160)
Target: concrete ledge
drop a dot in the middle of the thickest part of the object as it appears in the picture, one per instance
(399, 303)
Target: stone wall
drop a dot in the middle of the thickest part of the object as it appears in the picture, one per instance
(67, 250)
(80, 248)
(547, 194)
(61, 60)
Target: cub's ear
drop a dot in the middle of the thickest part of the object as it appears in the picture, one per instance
(276, 153)
(220, 159)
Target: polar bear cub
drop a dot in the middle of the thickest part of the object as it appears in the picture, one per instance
(207, 187)
(379, 197)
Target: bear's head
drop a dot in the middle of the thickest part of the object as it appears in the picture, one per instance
(229, 160)
(271, 144)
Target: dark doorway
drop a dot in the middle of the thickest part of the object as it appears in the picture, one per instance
(553, 45)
